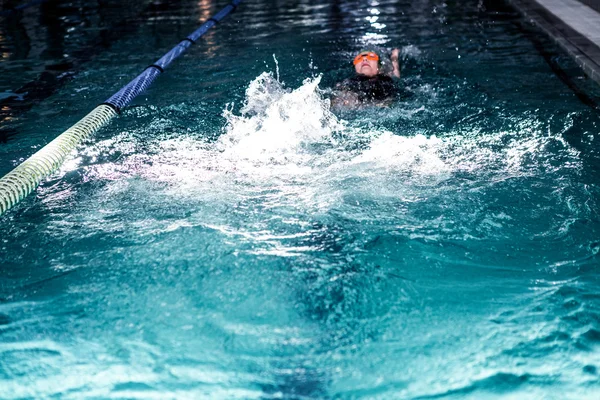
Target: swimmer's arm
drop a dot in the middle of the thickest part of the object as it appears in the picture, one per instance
(394, 58)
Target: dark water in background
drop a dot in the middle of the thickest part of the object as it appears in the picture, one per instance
(229, 236)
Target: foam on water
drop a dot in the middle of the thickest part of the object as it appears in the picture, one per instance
(291, 139)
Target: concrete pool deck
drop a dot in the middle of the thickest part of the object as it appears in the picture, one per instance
(574, 25)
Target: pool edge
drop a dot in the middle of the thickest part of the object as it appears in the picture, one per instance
(583, 49)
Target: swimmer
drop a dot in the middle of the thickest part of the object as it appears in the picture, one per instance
(369, 85)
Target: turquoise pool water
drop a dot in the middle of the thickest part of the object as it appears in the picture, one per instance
(229, 236)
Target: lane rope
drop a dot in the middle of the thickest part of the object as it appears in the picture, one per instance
(23, 179)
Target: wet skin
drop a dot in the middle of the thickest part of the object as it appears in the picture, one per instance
(367, 67)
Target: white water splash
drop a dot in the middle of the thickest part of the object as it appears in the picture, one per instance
(290, 138)
(278, 127)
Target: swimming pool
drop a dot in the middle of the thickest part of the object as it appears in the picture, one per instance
(229, 236)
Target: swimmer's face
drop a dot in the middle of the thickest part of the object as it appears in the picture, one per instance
(367, 63)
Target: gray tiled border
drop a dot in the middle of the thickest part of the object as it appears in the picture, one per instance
(595, 4)
(585, 52)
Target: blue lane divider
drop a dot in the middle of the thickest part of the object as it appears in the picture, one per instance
(22, 180)
(140, 83)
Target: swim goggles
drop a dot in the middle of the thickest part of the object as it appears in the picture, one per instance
(369, 56)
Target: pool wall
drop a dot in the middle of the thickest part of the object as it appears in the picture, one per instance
(575, 26)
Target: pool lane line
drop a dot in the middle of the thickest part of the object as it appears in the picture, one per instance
(145, 79)
(23, 179)
(61, 71)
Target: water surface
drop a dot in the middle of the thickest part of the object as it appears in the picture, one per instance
(230, 236)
